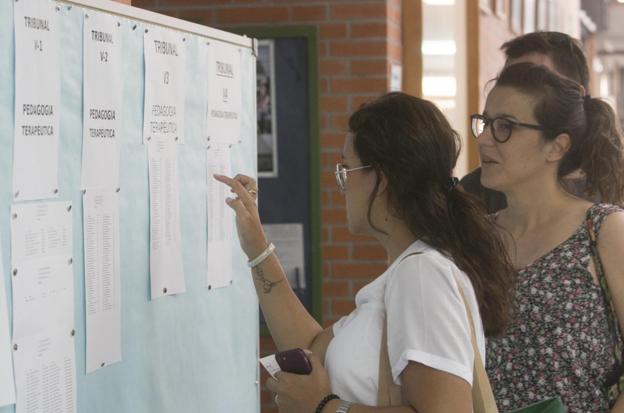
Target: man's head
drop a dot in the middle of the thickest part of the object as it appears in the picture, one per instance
(555, 50)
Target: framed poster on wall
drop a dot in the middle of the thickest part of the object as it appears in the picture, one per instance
(265, 94)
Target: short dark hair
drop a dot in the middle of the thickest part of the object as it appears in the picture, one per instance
(565, 52)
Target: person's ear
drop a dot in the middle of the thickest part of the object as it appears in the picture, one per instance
(383, 184)
(558, 147)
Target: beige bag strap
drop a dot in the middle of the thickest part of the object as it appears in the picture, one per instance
(388, 393)
(482, 396)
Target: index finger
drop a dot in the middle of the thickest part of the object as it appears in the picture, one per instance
(238, 189)
(225, 179)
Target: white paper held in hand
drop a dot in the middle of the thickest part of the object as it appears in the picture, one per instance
(270, 364)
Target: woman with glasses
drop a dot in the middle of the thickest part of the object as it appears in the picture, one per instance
(564, 339)
(395, 174)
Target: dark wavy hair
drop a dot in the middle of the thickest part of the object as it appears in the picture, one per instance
(566, 53)
(408, 141)
(595, 135)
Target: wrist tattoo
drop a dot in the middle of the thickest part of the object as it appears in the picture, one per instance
(267, 285)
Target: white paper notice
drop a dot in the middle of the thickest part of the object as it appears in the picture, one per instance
(166, 269)
(43, 307)
(43, 296)
(288, 240)
(42, 267)
(102, 277)
(220, 218)
(37, 100)
(165, 70)
(45, 373)
(7, 384)
(102, 101)
(224, 92)
(41, 230)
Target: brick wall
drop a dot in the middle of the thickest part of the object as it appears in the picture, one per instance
(358, 40)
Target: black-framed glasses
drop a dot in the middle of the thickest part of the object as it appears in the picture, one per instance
(500, 127)
(341, 174)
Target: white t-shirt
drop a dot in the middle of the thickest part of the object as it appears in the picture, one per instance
(427, 324)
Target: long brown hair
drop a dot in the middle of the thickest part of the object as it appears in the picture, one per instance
(410, 143)
(595, 135)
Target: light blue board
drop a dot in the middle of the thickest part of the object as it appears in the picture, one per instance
(196, 352)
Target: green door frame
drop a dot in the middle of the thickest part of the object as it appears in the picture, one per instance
(310, 33)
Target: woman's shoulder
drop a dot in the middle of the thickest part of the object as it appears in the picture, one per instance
(598, 214)
(424, 265)
(603, 209)
(421, 253)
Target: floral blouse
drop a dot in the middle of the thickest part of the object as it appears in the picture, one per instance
(560, 342)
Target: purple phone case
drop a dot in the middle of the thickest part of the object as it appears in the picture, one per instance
(294, 361)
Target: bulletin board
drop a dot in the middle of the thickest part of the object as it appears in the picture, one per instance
(193, 352)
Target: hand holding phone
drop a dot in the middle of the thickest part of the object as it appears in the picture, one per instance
(291, 361)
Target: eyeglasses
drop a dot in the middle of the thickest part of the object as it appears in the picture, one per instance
(341, 174)
(500, 127)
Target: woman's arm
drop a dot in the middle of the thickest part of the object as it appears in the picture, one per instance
(289, 322)
(610, 247)
(426, 390)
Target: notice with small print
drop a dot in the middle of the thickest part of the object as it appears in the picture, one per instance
(43, 307)
(220, 218)
(42, 267)
(45, 372)
(102, 277)
(7, 383)
(166, 267)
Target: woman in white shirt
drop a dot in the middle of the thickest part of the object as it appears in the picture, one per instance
(395, 173)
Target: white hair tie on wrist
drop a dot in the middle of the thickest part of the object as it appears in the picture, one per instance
(263, 256)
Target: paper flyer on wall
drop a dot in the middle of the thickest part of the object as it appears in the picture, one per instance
(165, 85)
(166, 267)
(42, 267)
(102, 277)
(7, 383)
(220, 218)
(289, 248)
(41, 230)
(43, 296)
(224, 93)
(37, 100)
(45, 373)
(102, 89)
(43, 306)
